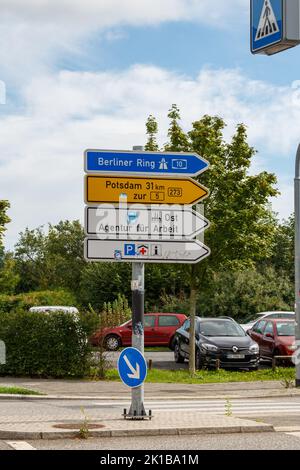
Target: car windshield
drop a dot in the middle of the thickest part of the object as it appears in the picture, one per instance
(286, 329)
(221, 328)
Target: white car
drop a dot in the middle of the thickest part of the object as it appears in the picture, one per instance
(259, 316)
(55, 308)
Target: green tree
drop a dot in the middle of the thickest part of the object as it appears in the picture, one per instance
(50, 260)
(102, 282)
(242, 224)
(178, 140)
(283, 257)
(9, 279)
(151, 130)
(4, 219)
(243, 293)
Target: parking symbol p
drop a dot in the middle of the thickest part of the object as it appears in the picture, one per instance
(129, 249)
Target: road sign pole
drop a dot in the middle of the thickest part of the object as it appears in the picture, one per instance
(137, 409)
(297, 260)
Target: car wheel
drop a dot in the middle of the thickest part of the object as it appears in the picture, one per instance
(179, 359)
(172, 344)
(112, 343)
(199, 361)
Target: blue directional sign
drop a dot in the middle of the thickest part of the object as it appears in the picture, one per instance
(267, 24)
(132, 367)
(144, 163)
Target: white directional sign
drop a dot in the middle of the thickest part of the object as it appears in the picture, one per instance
(146, 251)
(106, 221)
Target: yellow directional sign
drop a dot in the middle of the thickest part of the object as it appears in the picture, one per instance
(99, 189)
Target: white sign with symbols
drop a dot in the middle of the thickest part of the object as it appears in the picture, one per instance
(145, 251)
(140, 222)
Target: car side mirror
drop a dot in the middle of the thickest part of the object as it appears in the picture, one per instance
(269, 335)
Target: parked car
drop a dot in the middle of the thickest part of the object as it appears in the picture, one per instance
(259, 316)
(217, 338)
(159, 330)
(275, 337)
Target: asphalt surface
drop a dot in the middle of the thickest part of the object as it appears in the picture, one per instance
(267, 441)
(163, 360)
(160, 360)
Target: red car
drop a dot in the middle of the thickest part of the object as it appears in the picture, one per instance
(275, 337)
(159, 330)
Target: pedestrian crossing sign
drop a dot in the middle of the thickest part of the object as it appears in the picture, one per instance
(266, 24)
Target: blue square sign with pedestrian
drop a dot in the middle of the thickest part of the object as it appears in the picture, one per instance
(266, 23)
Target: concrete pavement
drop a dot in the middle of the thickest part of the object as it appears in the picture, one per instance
(63, 419)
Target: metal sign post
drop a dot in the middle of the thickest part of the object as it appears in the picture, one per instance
(137, 409)
(297, 262)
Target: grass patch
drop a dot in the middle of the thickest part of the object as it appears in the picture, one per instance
(17, 391)
(207, 376)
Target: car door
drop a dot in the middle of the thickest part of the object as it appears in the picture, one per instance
(150, 325)
(126, 333)
(257, 333)
(167, 325)
(267, 343)
(185, 337)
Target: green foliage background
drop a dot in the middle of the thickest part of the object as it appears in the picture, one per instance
(44, 345)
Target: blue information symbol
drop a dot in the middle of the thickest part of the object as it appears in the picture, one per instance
(132, 367)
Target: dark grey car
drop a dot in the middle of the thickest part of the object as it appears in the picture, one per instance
(217, 339)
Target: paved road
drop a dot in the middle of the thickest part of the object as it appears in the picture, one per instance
(160, 360)
(163, 360)
(269, 441)
(279, 411)
(247, 407)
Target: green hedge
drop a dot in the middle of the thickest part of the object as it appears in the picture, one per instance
(10, 303)
(44, 345)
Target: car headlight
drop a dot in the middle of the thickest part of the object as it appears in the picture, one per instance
(210, 347)
(292, 347)
(254, 349)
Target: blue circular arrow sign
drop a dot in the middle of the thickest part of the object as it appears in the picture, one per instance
(132, 367)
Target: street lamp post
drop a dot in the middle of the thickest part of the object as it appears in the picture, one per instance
(297, 262)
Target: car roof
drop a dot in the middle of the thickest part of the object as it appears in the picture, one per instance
(161, 313)
(215, 319)
(276, 312)
(275, 320)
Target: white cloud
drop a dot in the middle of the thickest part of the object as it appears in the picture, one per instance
(106, 13)
(41, 163)
(35, 34)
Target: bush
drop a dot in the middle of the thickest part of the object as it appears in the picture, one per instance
(9, 303)
(44, 345)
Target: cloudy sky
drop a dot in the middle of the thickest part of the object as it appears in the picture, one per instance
(82, 74)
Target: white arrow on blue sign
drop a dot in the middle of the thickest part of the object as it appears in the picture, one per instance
(132, 367)
(144, 163)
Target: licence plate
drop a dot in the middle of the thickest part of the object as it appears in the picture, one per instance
(235, 356)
